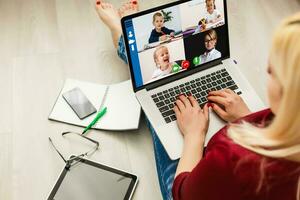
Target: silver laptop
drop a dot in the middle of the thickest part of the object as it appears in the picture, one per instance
(181, 48)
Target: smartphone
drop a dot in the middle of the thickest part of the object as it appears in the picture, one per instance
(79, 103)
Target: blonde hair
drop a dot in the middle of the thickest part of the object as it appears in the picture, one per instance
(157, 14)
(281, 139)
(155, 53)
(212, 34)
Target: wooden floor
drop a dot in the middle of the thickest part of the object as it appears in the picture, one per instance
(42, 42)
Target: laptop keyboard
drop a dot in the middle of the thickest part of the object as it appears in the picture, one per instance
(199, 88)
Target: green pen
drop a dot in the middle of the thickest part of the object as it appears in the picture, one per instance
(99, 115)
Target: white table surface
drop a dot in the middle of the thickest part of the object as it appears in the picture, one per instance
(43, 42)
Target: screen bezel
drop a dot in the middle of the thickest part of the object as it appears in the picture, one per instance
(174, 77)
(129, 192)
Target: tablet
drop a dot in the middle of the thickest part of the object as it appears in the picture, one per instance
(93, 181)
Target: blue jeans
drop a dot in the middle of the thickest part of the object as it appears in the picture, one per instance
(165, 167)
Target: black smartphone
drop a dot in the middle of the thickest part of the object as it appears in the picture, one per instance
(79, 103)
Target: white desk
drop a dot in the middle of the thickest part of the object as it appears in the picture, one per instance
(44, 42)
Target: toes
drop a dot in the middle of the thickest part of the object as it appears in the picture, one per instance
(134, 5)
(106, 5)
(128, 6)
(99, 3)
(135, 2)
(121, 12)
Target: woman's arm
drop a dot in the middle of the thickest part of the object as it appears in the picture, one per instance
(193, 124)
(213, 176)
(191, 155)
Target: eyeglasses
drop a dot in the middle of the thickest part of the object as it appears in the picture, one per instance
(210, 40)
(70, 162)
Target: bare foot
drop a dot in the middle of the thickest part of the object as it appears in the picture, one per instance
(110, 16)
(129, 8)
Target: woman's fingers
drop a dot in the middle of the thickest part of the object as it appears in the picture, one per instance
(222, 113)
(180, 105)
(185, 101)
(218, 99)
(221, 93)
(177, 111)
(206, 111)
(194, 102)
(228, 91)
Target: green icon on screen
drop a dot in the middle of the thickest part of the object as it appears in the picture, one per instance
(196, 61)
(175, 68)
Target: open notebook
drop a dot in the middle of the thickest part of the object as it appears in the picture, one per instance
(123, 110)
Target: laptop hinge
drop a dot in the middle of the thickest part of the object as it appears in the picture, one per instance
(181, 75)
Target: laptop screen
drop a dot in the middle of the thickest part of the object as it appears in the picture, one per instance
(175, 38)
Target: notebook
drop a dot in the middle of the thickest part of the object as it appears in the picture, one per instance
(123, 110)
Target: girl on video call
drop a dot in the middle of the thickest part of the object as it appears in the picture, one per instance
(210, 42)
(213, 15)
(257, 155)
(161, 58)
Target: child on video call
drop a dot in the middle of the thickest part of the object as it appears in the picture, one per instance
(162, 60)
(160, 32)
(210, 41)
(213, 15)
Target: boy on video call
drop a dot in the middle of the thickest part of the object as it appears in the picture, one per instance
(210, 42)
(160, 32)
(162, 60)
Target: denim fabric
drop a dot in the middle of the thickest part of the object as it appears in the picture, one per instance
(165, 167)
(121, 50)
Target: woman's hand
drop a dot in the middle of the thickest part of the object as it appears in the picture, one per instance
(193, 124)
(191, 119)
(228, 105)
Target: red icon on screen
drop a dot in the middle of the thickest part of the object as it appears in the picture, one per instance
(185, 64)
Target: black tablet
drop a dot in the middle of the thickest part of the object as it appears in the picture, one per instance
(93, 181)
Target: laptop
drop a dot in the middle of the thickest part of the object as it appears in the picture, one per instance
(182, 48)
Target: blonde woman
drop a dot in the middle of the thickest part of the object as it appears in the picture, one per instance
(257, 156)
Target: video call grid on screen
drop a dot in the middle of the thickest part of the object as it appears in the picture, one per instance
(189, 35)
